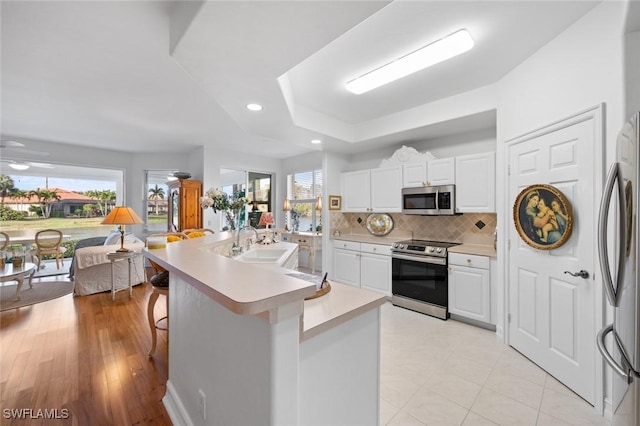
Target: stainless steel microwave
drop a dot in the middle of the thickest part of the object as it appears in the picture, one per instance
(429, 200)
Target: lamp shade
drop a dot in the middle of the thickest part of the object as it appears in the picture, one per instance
(286, 206)
(122, 215)
(266, 219)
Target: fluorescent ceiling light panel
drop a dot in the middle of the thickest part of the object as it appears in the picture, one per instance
(316, 141)
(431, 54)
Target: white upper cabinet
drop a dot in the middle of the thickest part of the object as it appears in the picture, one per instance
(441, 171)
(475, 183)
(374, 190)
(386, 189)
(356, 191)
(414, 174)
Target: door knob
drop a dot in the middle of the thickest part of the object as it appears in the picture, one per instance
(582, 274)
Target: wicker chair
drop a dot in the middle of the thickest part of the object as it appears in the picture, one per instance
(160, 285)
(4, 240)
(48, 241)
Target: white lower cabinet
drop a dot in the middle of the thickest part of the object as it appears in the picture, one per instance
(346, 264)
(363, 265)
(470, 286)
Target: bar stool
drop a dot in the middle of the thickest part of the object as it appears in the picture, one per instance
(160, 286)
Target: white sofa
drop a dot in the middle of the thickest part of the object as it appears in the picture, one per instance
(92, 269)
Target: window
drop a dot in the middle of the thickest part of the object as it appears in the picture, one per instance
(304, 190)
(156, 200)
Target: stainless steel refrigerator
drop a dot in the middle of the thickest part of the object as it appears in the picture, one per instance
(621, 276)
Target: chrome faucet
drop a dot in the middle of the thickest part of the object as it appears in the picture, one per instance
(236, 249)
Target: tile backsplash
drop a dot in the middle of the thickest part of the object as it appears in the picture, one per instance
(437, 228)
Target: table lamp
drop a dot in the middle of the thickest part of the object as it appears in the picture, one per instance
(122, 216)
(266, 219)
(286, 207)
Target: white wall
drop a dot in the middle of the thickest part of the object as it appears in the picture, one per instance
(632, 58)
(579, 69)
(332, 165)
(214, 157)
(473, 142)
(133, 165)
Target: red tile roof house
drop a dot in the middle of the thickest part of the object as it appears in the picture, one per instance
(67, 205)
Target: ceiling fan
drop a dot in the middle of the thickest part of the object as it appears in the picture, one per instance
(24, 165)
(18, 147)
(9, 147)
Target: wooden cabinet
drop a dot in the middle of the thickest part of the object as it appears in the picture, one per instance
(372, 190)
(185, 211)
(470, 287)
(475, 183)
(363, 265)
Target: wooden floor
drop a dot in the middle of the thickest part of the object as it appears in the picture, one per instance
(85, 357)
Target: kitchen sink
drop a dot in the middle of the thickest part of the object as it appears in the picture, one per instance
(262, 255)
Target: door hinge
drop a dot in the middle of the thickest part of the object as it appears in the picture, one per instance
(508, 244)
(509, 170)
(509, 317)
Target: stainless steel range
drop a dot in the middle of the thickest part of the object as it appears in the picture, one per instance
(419, 279)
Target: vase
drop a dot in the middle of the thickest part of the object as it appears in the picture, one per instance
(231, 220)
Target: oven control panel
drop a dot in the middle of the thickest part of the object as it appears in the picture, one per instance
(421, 249)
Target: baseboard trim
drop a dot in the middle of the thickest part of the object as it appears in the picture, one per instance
(172, 403)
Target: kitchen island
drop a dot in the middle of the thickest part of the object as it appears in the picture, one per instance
(245, 348)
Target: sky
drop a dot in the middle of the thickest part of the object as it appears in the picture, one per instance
(28, 183)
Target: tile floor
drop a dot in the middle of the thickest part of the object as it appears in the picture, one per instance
(437, 372)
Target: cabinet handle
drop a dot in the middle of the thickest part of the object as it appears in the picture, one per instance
(374, 249)
(468, 260)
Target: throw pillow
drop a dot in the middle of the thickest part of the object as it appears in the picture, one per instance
(112, 238)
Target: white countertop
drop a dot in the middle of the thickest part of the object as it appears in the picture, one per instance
(367, 238)
(243, 288)
(341, 304)
(477, 249)
(250, 289)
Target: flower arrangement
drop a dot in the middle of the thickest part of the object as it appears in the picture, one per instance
(221, 201)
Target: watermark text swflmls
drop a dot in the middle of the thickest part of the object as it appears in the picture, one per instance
(37, 413)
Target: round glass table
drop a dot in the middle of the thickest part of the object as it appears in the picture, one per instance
(10, 273)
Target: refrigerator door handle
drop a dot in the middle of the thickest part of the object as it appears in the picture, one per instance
(602, 334)
(613, 177)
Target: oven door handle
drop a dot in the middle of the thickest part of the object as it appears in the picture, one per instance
(432, 260)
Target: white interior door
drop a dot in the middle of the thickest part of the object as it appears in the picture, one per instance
(551, 315)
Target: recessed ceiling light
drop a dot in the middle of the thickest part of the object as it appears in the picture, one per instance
(431, 54)
(254, 107)
(316, 141)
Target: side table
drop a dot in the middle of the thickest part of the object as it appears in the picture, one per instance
(10, 273)
(115, 256)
